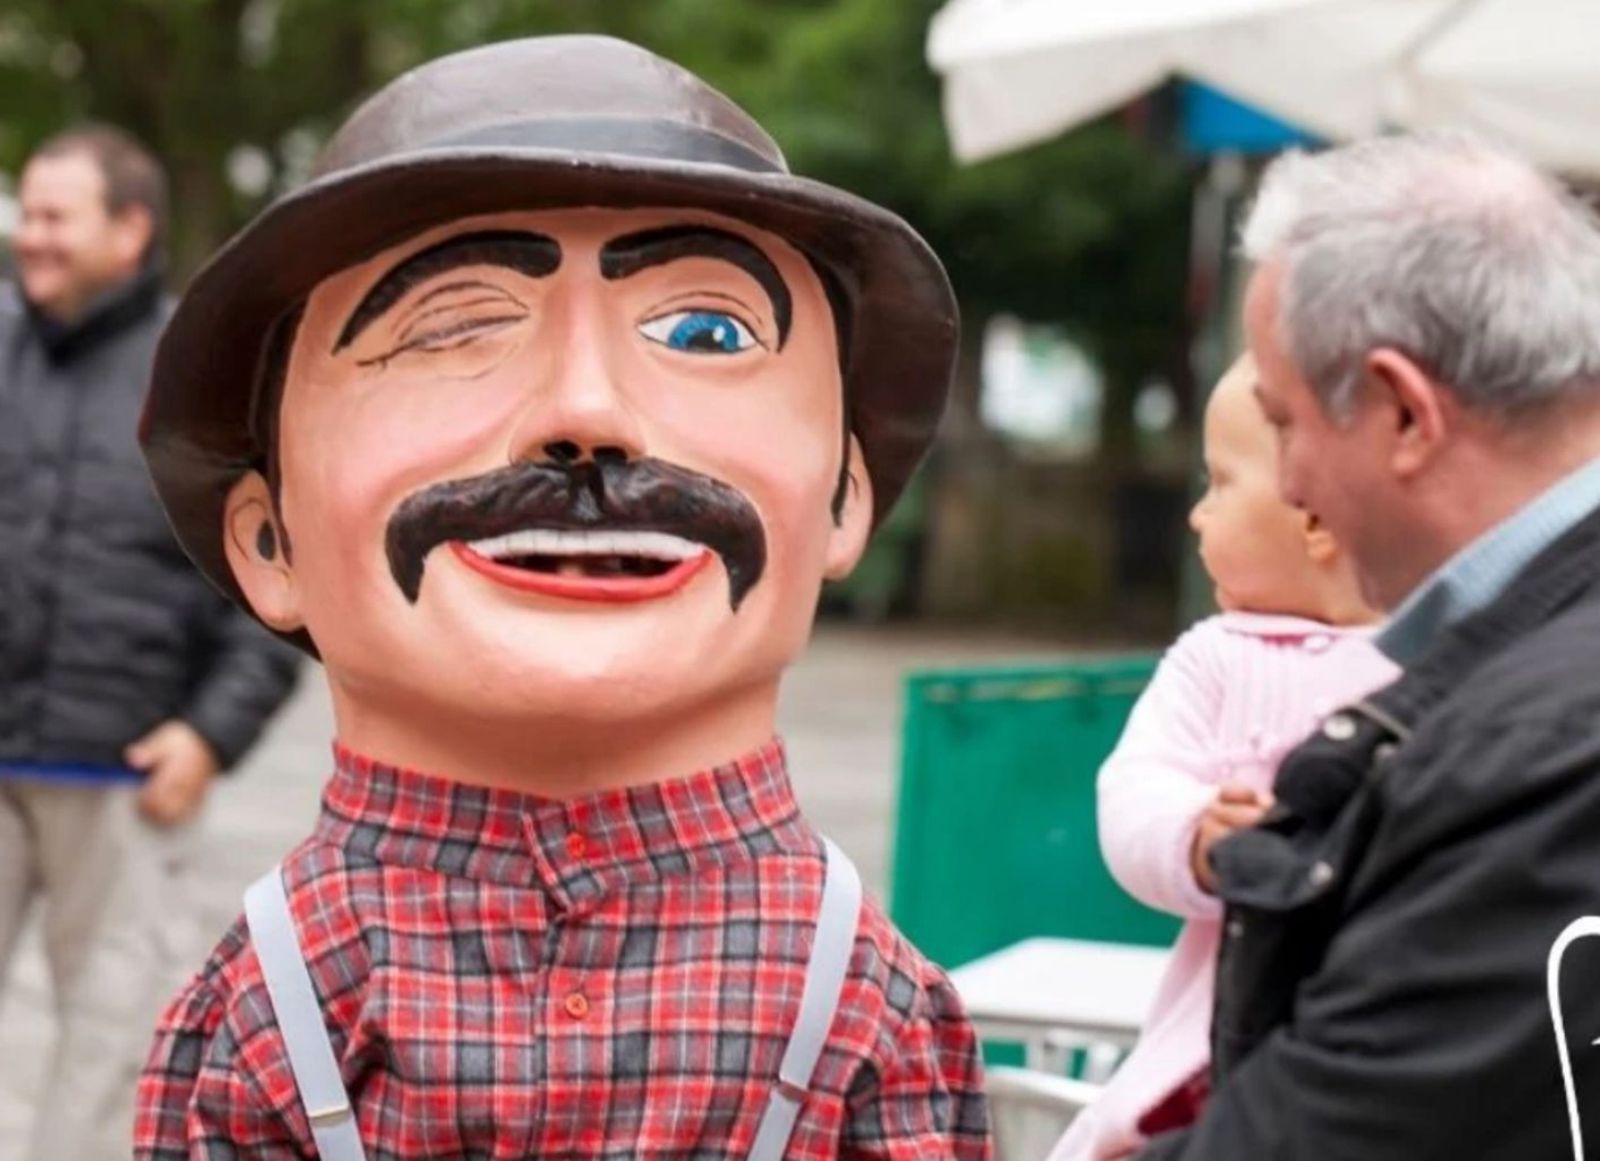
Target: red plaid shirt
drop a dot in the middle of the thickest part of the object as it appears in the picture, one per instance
(613, 977)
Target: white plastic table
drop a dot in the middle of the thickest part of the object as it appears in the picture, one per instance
(1054, 995)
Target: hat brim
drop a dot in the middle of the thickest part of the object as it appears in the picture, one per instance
(197, 430)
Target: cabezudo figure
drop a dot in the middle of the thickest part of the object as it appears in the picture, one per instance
(540, 415)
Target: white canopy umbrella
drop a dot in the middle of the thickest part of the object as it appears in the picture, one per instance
(1525, 71)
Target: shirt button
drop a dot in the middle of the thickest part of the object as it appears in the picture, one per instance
(577, 845)
(1339, 728)
(577, 1005)
(1318, 642)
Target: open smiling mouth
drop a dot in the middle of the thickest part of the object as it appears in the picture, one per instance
(587, 565)
(598, 530)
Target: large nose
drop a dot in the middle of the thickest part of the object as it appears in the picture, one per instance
(577, 406)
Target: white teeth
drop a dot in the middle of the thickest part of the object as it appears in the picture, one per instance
(549, 542)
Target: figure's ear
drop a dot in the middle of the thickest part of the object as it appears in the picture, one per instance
(853, 527)
(1321, 547)
(255, 545)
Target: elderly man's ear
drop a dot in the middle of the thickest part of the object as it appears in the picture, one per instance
(258, 554)
(1417, 411)
(853, 527)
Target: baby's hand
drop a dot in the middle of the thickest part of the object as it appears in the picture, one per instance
(1235, 807)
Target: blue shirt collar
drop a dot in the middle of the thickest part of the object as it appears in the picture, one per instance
(1472, 578)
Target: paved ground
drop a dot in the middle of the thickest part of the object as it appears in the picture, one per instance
(840, 716)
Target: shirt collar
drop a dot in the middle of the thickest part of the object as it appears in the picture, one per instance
(1475, 576)
(578, 849)
(1286, 626)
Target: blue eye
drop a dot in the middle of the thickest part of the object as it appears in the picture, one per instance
(709, 332)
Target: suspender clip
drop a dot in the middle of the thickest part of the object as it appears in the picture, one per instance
(326, 1118)
(790, 1091)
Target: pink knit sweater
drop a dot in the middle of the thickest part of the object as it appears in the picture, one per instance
(1229, 700)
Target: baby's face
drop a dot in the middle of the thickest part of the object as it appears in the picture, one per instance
(1252, 543)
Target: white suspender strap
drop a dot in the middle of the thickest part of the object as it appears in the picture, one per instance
(819, 998)
(327, 1104)
(294, 1003)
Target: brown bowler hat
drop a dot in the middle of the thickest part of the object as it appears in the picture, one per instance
(529, 124)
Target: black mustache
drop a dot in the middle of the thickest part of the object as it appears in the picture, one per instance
(645, 495)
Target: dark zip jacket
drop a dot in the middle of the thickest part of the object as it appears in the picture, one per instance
(1397, 929)
(105, 628)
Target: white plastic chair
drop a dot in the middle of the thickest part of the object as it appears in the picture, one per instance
(1031, 1109)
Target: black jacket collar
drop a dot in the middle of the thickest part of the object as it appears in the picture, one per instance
(1561, 575)
(112, 311)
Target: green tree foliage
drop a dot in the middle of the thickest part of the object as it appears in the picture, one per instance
(1088, 230)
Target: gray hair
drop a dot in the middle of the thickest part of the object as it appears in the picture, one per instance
(1458, 253)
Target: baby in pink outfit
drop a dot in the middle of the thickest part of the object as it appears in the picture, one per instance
(1197, 759)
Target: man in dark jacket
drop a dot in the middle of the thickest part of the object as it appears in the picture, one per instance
(1408, 972)
(126, 682)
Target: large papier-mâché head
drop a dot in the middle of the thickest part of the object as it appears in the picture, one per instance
(536, 391)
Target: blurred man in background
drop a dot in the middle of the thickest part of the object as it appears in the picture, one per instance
(126, 682)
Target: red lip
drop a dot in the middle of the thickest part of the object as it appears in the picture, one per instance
(611, 589)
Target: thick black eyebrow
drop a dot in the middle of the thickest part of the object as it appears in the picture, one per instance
(523, 251)
(632, 253)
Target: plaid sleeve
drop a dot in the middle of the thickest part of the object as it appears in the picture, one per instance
(922, 1099)
(200, 1096)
